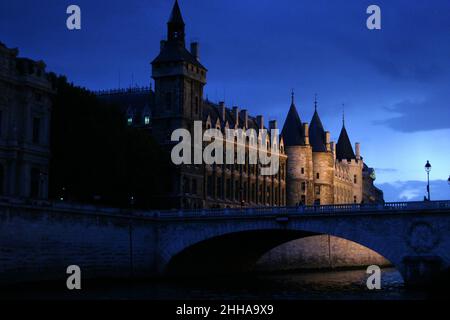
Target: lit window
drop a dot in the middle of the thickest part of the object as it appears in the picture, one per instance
(147, 120)
(130, 121)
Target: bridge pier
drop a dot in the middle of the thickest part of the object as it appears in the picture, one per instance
(421, 271)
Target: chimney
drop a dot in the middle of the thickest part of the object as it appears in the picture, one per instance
(327, 140)
(195, 50)
(306, 133)
(236, 116)
(358, 150)
(222, 110)
(244, 114)
(162, 44)
(273, 124)
(260, 121)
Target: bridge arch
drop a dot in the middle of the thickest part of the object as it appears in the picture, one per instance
(414, 240)
(235, 252)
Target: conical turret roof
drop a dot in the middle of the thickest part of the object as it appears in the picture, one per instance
(293, 129)
(175, 16)
(317, 137)
(344, 149)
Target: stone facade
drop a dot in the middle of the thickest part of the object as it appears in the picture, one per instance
(312, 168)
(25, 103)
(320, 252)
(320, 172)
(179, 81)
(39, 242)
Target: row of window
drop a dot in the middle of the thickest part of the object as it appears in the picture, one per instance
(355, 178)
(247, 192)
(35, 181)
(189, 67)
(233, 190)
(36, 128)
(252, 169)
(131, 120)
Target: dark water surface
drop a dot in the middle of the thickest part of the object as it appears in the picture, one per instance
(332, 285)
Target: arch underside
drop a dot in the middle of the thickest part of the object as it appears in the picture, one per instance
(231, 253)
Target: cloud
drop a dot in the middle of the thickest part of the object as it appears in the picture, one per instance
(414, 190)
(419, 115)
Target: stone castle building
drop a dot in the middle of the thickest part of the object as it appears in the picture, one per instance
(313, 170)
(318, 170)
(25, 102)
(176, 102)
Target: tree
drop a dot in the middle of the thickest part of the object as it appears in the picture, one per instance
(97, 158)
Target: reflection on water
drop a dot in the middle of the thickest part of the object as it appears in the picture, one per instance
(306, 286)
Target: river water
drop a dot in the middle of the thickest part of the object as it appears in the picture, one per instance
(331, 285)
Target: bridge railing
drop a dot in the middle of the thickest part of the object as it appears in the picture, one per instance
(236, 212)
(324, 209)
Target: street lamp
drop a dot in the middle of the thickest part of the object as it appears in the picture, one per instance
(428, 169)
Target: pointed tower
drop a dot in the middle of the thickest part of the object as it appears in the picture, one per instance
(344, 149)
(175, 26)
(299, 169)
(349, 183)
(323, 161)
(293, 133)
(179, 80)
(317, 135)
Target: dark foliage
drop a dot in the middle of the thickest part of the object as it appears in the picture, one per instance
(97, 158)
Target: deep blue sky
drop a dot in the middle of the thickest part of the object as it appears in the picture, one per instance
(394, 82)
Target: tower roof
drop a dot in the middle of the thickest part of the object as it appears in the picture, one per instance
(344, 149)
(173, 52)
(175, 16)
(317, 137)
(173, 49)
(293, 130)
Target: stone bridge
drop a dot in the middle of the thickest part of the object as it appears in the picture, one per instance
(39, 240)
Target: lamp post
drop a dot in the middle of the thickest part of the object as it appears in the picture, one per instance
(428, 169)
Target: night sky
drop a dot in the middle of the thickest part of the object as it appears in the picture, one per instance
(394, 82)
